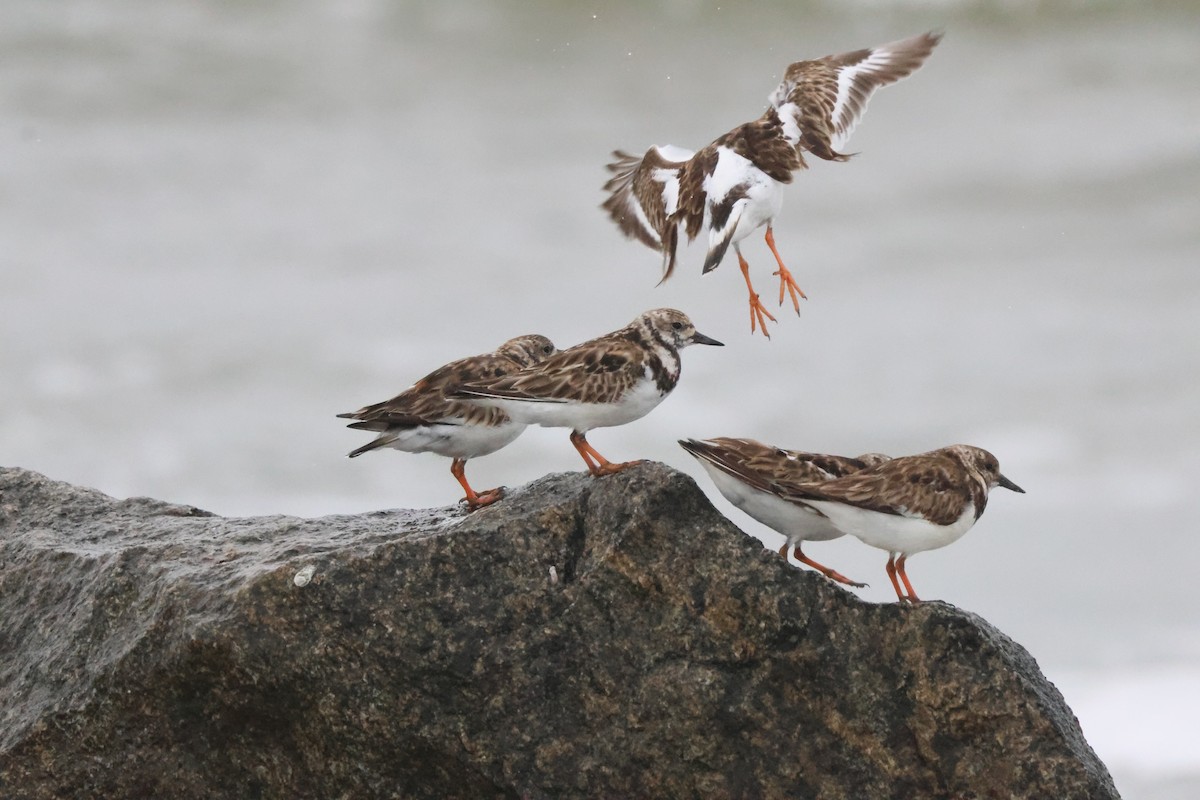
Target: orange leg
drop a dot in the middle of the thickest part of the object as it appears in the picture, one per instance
(783, 550)
(596, 463)
(912, 596)
(891, 571)
(824, 570)
(786, 281)
(486, 498)
(758, 312)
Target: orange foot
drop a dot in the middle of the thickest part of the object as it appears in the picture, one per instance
(758, 312)
(832, 574)
(597, 464)
(484, 498)
(786, 281)
(609, 468)
(474, 500)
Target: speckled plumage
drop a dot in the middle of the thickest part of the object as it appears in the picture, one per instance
(753, 476)
(422, 419)
(733, 186)
(908, 505)
(611, 380)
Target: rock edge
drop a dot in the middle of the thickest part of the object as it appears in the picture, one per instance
(582, 638)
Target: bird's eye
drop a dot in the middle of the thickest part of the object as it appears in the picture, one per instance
(548, 349)
(677, 326)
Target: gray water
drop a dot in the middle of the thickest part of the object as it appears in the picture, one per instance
(222, 224)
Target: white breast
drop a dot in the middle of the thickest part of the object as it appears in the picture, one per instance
(639, 401)
(895, 533)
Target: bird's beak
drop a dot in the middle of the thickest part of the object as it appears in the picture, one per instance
(700, 338)
(1007, 484)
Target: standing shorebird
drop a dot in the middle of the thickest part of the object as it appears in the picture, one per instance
(734, 186)
(753, 475)
(421, 419)
(910, 504)
(607, 381)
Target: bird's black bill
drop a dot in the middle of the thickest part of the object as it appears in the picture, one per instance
(700, 338)
(1007, 484)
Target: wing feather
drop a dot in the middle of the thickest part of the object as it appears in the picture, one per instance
(425, 403)
(923, 486)
(826, 97)
(768, 468)
(644, 195)
(601, 370)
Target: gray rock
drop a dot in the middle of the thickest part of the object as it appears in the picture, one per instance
(157, 650)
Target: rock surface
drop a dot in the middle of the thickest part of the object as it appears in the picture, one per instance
(156, 650)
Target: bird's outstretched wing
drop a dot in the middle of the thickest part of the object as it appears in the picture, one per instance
(824, 98)
(644, 197)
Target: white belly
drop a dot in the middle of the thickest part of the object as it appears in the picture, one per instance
(893, 532)
(635, 404)
(457, 441)
(763, 203)
(797, 523)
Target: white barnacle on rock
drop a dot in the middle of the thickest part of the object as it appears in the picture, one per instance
(304, 576)
(553, 575)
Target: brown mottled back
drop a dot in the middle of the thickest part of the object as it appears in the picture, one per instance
(772, 469)
(763, 144)
(600, 370)
(934, 485)
(424, 402)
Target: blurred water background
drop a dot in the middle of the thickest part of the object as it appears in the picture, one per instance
(222, 223)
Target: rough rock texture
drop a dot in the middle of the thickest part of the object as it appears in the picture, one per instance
(155, 650)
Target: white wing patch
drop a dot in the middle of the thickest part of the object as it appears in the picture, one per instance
(862, 79)
(731, 170)
(672, 153)
(669, 178)
(789, 114)
(640, 215)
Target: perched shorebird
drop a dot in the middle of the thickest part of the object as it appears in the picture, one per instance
(908, 504)
(751, 475)
(608, 381)
(734, 186)
(421, 419)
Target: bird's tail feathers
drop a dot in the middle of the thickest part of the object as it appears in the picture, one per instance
(382, 441)
(716, 251)
(669, 245)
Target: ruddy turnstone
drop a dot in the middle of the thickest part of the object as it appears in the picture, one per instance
(752, 475)
(908, 504)
(421, 419)
(607, 381)
(734, 186)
